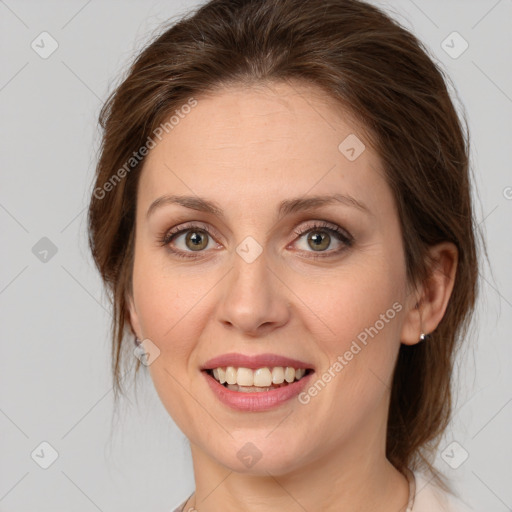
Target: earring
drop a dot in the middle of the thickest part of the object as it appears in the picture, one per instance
(137, 341)
(424, 336)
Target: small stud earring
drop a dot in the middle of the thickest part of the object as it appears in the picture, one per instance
(137, 341)
(423, 336)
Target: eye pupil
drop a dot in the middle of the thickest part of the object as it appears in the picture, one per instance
(318, 240)
(197, 238)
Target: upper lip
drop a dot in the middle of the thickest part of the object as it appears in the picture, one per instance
(255, 361)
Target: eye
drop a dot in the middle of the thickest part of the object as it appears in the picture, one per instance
(320, 237)
(195, 239)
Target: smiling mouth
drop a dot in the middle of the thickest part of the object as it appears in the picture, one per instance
(246, 380)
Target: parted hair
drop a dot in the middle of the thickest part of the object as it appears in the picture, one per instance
(383, 75)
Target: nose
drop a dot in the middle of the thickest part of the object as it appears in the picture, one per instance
(255, 299)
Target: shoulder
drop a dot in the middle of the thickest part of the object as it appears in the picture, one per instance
(181, 506)
(429, 497)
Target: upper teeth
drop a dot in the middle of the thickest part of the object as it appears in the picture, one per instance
(262, 377)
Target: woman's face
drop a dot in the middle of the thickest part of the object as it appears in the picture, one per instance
(254, 277)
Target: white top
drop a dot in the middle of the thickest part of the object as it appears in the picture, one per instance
(425, 497)
(428, 497)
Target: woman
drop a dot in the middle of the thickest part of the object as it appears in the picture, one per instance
(282, 213)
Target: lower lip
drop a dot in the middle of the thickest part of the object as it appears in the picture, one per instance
(259, 400)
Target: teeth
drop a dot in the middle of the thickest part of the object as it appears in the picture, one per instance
(260, 378)
(244, 377)
(247, 389)
(231, 375)
(278, 375)
(289, 374)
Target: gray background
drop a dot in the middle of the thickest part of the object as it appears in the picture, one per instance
(55, 377)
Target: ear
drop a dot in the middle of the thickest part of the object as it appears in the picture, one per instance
(133, 317)
(426, 306)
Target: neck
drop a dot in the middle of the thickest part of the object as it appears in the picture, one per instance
(356, 477)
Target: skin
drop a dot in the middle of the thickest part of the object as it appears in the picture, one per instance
(247, 149)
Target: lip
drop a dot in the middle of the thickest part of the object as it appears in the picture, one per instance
(253, 362)
(259, 400)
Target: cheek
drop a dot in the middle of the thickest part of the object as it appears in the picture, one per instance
(164, 292)
(167, 305)
(343, 304)
(357, 325)
(169, 308)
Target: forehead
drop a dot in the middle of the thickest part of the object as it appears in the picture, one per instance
(263, 142)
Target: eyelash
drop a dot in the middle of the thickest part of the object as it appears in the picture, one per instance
(343, 236)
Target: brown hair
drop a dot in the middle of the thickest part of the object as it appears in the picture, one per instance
(379, 71)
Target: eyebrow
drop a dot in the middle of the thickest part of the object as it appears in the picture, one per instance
(285, 208)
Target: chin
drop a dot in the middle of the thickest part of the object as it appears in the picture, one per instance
(255, 455)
